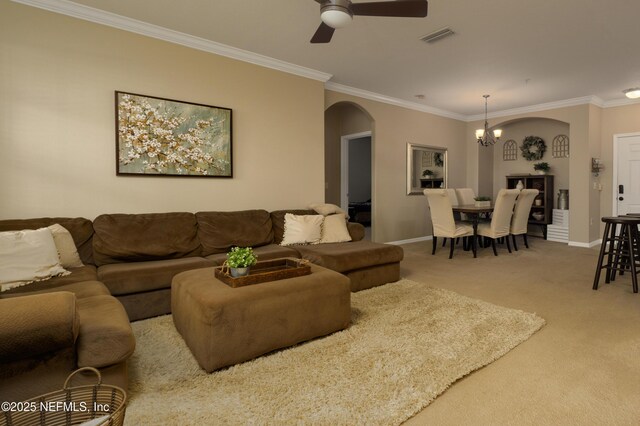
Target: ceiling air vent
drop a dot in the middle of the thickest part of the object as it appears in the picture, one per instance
(437, 35)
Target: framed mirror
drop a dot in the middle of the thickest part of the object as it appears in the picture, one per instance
(426, 168)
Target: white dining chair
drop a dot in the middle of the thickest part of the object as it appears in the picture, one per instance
(465, 195)
(444, 225)
(500, 224)
(520, 217)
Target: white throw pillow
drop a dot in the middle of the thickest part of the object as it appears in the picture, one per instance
(28, 256)
(67, 251)
(334, 229)
(327, 209)
(302, 229)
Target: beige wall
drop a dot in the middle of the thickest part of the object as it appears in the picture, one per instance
(397, 216)
(57, 81)
(518, 130)
(615, 121)
(595, 130)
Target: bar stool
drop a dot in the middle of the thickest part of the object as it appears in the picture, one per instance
(622, 251)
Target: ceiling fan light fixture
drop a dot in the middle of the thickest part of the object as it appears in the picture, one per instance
(336, 17)
(632, 93)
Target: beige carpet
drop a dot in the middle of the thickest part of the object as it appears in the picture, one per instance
(407, 344)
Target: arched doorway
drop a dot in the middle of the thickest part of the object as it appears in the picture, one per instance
(349, 174)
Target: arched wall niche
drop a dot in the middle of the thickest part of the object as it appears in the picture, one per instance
(516, 130)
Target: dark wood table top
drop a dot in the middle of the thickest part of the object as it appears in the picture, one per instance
(472, 208)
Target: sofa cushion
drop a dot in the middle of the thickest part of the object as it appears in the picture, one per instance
(105, 336)
(81, 230)
(219, 231)
(302, 229)
(28, 256)
(356, 230)
(81, 290)
(268, 252)
(67, 251)
(140, 237)
(36, 325)
(343, 257)
(136, 277)
(334, 229)
(326, 209)
(277, 222)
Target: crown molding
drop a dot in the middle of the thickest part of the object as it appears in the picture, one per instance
(348, 90)
(97, 16)
(620, 102)
(540, 107)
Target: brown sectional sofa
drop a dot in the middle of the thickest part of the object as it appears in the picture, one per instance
(133, 258)
(138, 270)
(49, 329)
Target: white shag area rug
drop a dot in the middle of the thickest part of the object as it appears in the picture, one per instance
(406, 345)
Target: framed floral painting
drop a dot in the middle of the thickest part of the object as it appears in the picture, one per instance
(165, 137)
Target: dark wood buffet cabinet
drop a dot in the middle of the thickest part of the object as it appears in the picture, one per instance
(544, 184)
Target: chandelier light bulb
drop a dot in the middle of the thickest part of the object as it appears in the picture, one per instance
(484, 137)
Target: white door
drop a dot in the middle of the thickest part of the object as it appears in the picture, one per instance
(628, 189)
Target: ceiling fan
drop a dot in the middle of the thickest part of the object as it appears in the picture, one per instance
(339, 13)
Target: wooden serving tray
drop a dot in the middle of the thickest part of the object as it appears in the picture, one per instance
(268, 270)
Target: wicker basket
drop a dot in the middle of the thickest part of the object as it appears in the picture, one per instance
(70, 406)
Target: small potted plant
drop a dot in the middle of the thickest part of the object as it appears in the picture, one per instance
(240, 260)
(429, 174)
(542, 167)
(482, 201)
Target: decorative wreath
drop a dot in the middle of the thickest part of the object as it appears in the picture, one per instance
(533, 148)
(438, 159)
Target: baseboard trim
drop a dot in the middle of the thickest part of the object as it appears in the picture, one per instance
(585, 245)
(411, 240)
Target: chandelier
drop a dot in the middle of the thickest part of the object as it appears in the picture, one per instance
(484, 136)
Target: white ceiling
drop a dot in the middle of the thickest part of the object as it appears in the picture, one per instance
(520, 52)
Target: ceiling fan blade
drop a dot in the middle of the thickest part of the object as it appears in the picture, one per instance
(400, 8)
(323, 34)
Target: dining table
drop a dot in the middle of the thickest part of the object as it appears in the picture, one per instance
(474, 213)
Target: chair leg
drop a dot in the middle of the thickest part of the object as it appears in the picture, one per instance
(607, 225)
(508, 244)
(451, 244)
(632, 236)
(526, 243)
(612, 247)
(444, 242)
(515, 245)
(435, 243)
(493, 244)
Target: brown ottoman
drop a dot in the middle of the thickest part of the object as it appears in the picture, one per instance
(224, 326)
